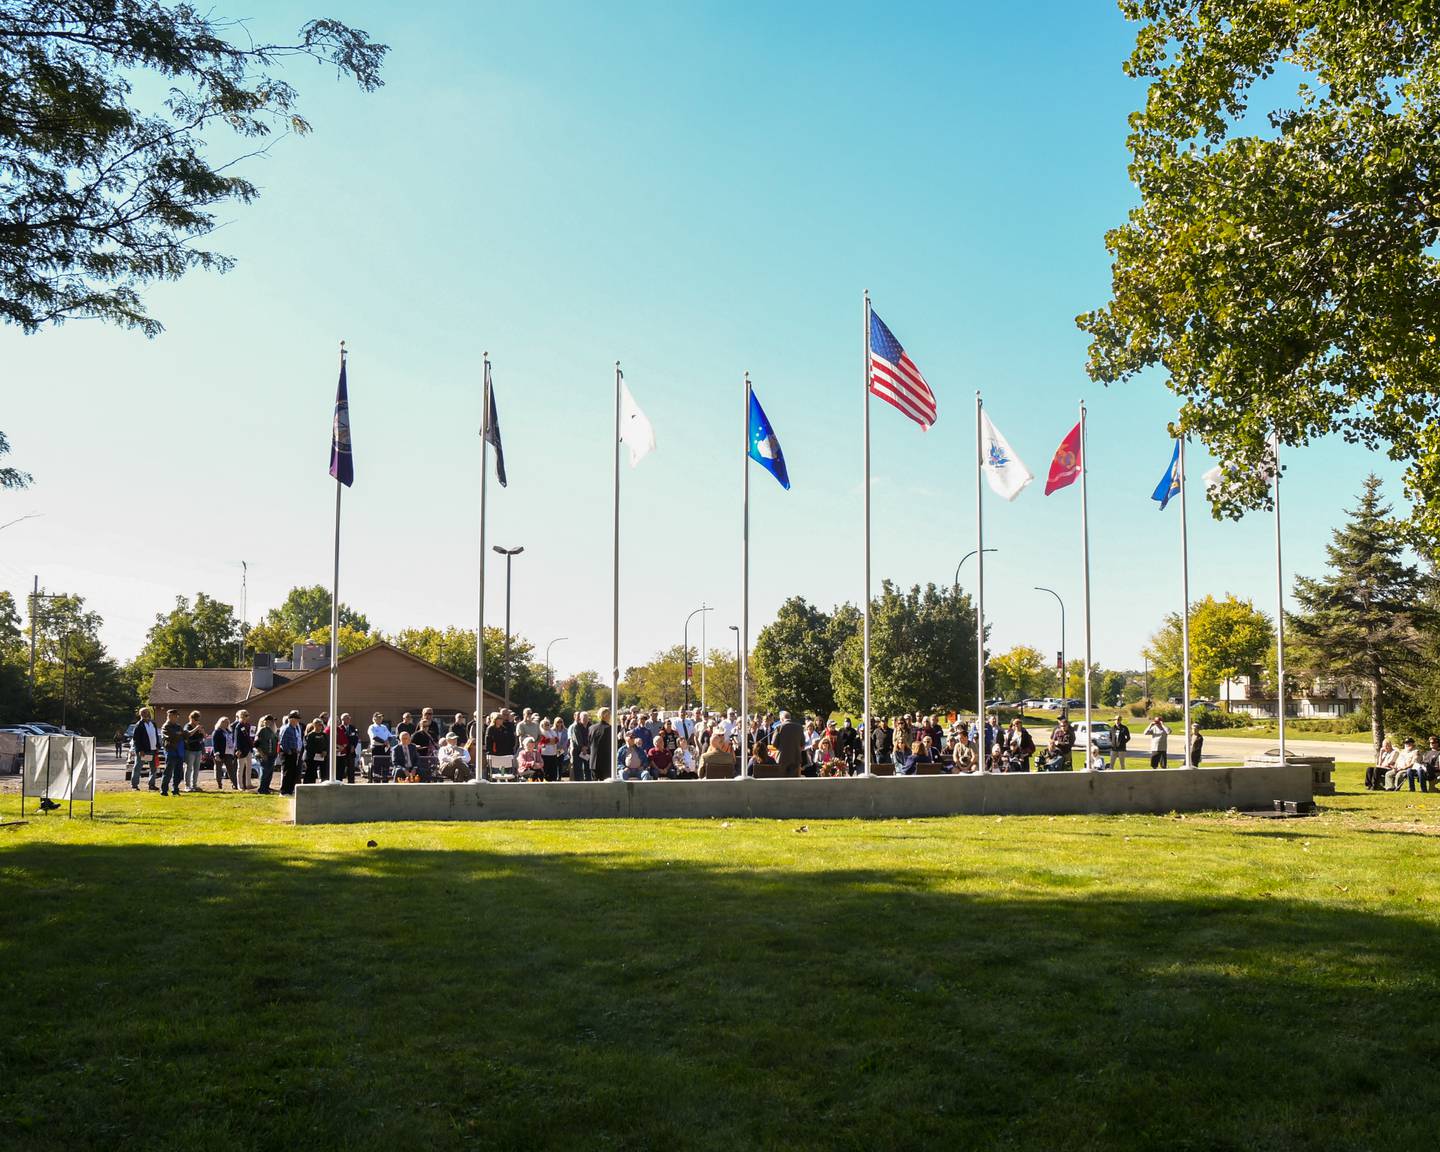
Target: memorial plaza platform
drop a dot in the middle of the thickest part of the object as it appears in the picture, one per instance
(878, 797)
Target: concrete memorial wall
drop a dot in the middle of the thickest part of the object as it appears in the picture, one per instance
(1030, 794)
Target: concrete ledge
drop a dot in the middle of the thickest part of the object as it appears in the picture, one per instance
(1030, 794)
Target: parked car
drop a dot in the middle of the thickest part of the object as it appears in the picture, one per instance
(1101, 733)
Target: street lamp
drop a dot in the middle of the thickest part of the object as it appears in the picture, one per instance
(509, 554)
(1064, 695)
(685, 649)
(967, 556)
(548, 679)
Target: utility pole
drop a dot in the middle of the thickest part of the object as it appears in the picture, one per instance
(65, 681)
(35, 598)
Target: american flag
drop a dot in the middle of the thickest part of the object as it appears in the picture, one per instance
(894, 377)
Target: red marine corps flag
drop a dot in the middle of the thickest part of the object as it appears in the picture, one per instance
(1065, 468)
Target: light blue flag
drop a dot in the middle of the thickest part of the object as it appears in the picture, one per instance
(764, 448)
(1169, 483)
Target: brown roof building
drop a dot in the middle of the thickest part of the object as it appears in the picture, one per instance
(380, 678)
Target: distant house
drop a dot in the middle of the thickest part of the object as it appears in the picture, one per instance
(381, 678)
(1316, 700)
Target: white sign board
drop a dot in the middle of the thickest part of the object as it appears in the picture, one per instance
(60, 767)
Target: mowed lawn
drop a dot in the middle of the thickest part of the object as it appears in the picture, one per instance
(195, 973)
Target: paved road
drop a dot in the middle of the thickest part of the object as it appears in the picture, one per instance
(1228, 748)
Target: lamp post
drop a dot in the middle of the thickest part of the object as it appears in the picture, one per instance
(955, 586)
(685, 651)
(549, 681)
(1064, 695)
(509, 554)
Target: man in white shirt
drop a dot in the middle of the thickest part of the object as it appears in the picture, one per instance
(1159, 739)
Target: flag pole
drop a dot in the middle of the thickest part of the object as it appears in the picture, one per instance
(615, 601)
(865, 656)
(335, 620)
(1185, 602)
(980, 750)
(745, 585)
(480, 723)
(1085, 551)
(1279, 607)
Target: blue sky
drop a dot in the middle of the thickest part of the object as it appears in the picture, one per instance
(696, 190)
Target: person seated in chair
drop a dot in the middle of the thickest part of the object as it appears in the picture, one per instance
(917, 756)
(760, 756)
(634, 761)
(718, 763)
(528, 763)
(404, 759)
(683, 762)
(454, 760)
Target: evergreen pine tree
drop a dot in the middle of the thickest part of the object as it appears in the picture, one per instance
(1366, 620)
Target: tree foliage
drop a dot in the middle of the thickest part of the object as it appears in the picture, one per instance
(1281, 263)
(1019, 673)
(1229, 637)
(304, 613)
(793, 655)
(103, 191)
(922, 653)
(454, 650)
(11, 478)
(1371, 617)
(206, 635)
(76, 682)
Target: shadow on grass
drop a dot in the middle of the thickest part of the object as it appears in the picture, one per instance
(216, 997)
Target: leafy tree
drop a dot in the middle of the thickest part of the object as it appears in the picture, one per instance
(11, 478)
(793, 655)
(1228, 637)
(454, 650)
(1112, 689)
(1369, 617)
(349, 641)
(1020, 672)
(1075, 681)
(1285, 275)
(304, 612)
(76, 682)
(583, 692)
(13, 661)
(205, 636)
(101, 195)
(1167, 670)
(922, 653)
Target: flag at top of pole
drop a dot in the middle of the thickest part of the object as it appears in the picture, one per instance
(1065, 468)
(636, 431)
(894, 377)
(1004, 471)
(342, 466)
(492, 429)
(764, 445)
(1169, 486)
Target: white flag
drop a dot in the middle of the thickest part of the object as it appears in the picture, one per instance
(635, 429)
(1004, 470)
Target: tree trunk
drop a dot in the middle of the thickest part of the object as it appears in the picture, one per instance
(1377, 715)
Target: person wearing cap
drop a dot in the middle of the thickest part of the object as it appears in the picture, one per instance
(1407, 767)
(292, 747)
(454, 760)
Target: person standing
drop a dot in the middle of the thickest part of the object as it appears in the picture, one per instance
(1019, 747)
(528, 728)
(1159, 741)
(317, 753)
(460, 729)
(267, 747)
(884, 747)
(1119, 741)
(145, 743)
(789, 743)
(548, 745)
(173, 736)
(222, 748)
(194, 752)
(1197, 745)
(292, 747)
(580, 748)
(244, 747)
(350, 755)
(601, 742)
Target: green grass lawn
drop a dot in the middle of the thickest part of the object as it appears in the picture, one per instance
(195, 973)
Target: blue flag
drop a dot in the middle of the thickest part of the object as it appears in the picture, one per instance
(1169, 483)
(492, 430)
(764, 448)
(342, 466)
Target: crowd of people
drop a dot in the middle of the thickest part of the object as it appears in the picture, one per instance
(1395, 768)
(647, 745)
